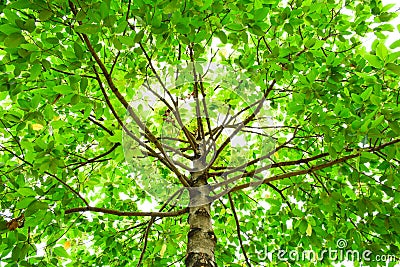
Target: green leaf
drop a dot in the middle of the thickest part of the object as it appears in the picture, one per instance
(75, 99)
(394, 125)
(58, 124)
(21, 126)
(3, 225)
(117, 44)
(332, 152)
(257, 30)
(29, 25)
(393, 57)
(369, 155)
(171, 7)
(36, 70)
(394, 68)
(310, 42)
(374, 61)
(381, 51)
(157, 20)
(24, 104)
(378, 121)
(139, 36)
(385, 16)
(81, 15)
(15, 255)
(356, 98)
(104, 9)
(182, 28)
(88, 28)
(35, 207)
(127, 40)
(25, 202)
(268, 2)
(26, 191)
(116, 138)
(365, 95)
(84, 84)
(388, 7)
(376, 100)
(222, 36)
(288, 28)
(20, 4)
(9, 29)
(45, 15)
(63, 89)
(52, 40)
(261, 13)
(61, 252)
(122, 25)
(234, 27)
(78, 50)
(395, 44)
(14, 40)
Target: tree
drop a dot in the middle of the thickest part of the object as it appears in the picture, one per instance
(252, 126)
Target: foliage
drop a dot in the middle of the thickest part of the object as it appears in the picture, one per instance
(70, 68)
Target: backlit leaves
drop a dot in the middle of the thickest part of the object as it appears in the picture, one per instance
(338, 98)
(87, 28)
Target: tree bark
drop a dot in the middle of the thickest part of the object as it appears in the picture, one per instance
(201, 236)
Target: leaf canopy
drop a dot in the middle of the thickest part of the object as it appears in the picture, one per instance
(70, 69)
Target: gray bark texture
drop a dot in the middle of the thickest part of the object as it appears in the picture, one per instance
(201, 237)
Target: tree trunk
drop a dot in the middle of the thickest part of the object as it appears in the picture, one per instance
(201, 237)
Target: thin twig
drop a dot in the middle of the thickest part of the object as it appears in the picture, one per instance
(238, 230)
(146, 237)
(50, 174)
(301, 172)
(129, 213)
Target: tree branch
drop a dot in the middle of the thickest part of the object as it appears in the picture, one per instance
(164, 159)
(80, 164)
(121, 98)
(280, 193)
(238, 230)
(175, 110)
(70, 73)
(252, 162)
(200, 129)
(48, 173)
(296, 173)
(100, 125)
(129, 213)
(145, 237)
(244, 123)
(177, 116)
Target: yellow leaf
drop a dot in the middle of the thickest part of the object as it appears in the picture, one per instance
(309, 230)
(163, 248)
(67, 244)
(37, 127)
